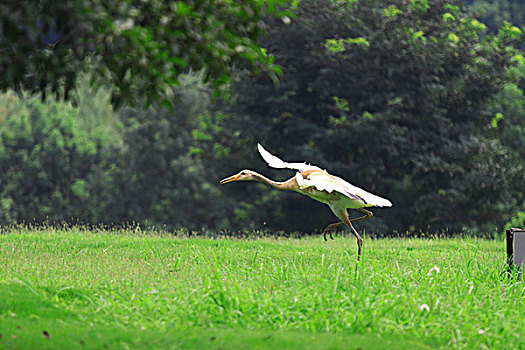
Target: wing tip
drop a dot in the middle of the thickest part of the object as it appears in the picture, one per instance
(269, 158)
(262, 152)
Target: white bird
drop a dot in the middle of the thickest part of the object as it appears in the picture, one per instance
(318, 184)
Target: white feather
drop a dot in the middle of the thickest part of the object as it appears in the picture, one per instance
(368, 197)
(300, 180)
(275, 162)
(376, 200)
(325, 182)
(322, 181)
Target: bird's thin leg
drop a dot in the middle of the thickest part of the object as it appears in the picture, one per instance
(368, 215)
(359, 242)
(347, 221)
(330, 228)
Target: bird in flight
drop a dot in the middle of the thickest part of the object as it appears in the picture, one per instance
(318, 184)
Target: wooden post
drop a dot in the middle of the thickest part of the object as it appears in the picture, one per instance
(515, 250)
(510, 250)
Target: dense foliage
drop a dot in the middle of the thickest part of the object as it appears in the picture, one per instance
(414, 101)
(89, 163)
(159, 176)
(139, 46)
(495, 12)
(45, 159)
(508, 125)
(391, 96)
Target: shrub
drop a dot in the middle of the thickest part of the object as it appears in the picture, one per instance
(518, 220)
(45, 159)
(162, 174)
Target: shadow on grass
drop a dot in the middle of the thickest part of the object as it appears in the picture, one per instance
(30, 320)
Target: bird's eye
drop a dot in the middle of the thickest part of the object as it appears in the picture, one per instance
(243, 173)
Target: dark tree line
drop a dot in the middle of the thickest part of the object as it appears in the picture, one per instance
(391, 96)
(415, 100)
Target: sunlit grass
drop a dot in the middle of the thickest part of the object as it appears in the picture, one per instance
(143, 290)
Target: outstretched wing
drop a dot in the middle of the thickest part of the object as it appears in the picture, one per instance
(368, 197)
(275, 162)
(323, 181)
(313, 176)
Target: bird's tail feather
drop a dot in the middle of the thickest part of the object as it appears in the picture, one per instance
(382, 202)
(376, 200)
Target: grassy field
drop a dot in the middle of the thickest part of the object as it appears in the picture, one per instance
(84, 289)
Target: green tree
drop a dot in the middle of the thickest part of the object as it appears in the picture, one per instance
(508, 124)
(139, 46)
(46, 161)
(162, 173)
(495, 12)
(391, 96)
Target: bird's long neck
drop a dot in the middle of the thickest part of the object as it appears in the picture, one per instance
(285, 185)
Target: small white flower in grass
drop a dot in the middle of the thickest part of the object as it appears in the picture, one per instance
(435, 268)
(300, 253)
(424, 307)
(481, 331)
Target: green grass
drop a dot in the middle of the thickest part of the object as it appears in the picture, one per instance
(133, 290)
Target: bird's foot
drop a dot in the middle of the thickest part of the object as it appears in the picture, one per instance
(329, 230)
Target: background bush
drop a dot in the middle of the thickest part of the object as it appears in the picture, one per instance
(46, 159)
(160, 175)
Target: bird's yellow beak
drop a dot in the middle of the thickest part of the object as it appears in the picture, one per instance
(229, 179)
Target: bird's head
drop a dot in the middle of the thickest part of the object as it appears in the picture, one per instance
(244, 175)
